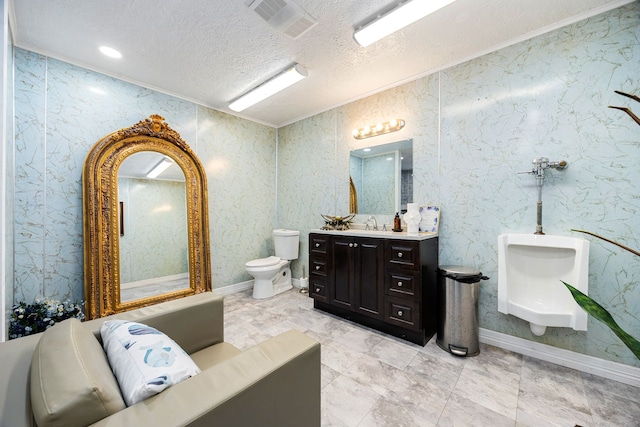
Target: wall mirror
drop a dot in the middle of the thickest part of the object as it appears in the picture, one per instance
(381, 178)
(146, 231)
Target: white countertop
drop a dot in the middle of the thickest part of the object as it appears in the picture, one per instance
(403, 235)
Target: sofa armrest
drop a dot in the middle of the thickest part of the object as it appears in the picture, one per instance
(275, 383)
(15, 400)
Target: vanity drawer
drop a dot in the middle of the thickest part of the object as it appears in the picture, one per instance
(403, 254)
(318, 290)
(404, 313)
(403, 284)
(318, 266)
(318, 244)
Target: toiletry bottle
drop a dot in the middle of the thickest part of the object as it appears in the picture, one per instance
(396, 223)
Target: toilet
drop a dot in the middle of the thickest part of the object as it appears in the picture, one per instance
(273, 274)
(530, 270)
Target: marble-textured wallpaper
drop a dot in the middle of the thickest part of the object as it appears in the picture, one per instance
(475, 127)
(61, 110)
(153, 242)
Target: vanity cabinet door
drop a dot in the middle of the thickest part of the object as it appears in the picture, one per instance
(343, 271)
(358, 274)
(369, 277)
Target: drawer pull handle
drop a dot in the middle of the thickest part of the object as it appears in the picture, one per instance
(399, 254)
(400, 313)
(355, 245)
(399, 284)
(350, 245)
(317, 267)
(317, 290)
(317, 245)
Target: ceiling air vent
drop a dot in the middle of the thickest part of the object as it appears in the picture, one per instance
(284, 16)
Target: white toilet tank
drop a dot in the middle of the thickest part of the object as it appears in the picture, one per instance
(286, 243)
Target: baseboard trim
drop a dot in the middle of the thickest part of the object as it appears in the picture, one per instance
(244, 286)
(232, 289)
(603, 368)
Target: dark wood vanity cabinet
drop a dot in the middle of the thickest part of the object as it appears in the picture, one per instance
(386, 284)
(356, 275)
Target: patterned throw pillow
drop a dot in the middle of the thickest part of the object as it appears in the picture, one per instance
(144, 360)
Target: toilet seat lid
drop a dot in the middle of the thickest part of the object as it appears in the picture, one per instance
(263, 262)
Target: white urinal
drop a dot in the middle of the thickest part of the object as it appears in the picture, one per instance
(530, 270)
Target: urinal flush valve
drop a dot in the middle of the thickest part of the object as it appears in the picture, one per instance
(540, 164)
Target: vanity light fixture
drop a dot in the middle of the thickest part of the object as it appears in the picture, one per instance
(404, 14)
(379, 129)
(159, 168)
(281, 81)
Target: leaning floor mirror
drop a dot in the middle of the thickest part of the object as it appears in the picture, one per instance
(146, 226)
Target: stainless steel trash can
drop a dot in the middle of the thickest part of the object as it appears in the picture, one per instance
(458, 310)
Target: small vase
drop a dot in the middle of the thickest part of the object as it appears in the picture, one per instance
(412, 218)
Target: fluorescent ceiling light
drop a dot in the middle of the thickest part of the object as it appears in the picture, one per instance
(403, 15)
(159, 168)
(110, 52)
(265, 90)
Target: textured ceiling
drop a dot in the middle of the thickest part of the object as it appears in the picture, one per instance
(211, 52)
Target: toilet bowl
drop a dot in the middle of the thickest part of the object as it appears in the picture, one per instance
(530, 270)
(273, 274)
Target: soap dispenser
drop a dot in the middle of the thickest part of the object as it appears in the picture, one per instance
(397, 226)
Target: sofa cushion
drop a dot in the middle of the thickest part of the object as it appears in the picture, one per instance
(144, 360)
(71, 380)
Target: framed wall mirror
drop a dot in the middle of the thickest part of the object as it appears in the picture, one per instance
(381, 178)
(146, 230)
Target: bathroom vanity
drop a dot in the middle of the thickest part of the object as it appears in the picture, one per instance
(383, 280)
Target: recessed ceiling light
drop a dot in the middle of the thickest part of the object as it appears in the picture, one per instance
(110, 52)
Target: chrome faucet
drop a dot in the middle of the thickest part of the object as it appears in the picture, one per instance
(375, 223)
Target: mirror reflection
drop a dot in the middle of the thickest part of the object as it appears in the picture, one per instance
(382, 178)
(152, 223)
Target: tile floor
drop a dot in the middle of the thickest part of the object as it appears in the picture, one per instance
(373, 379)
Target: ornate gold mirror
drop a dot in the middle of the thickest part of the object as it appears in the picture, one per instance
(142, 231)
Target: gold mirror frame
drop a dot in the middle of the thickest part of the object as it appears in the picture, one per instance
(101, 210)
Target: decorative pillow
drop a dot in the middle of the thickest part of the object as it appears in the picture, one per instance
(71, 381)
(144, 360)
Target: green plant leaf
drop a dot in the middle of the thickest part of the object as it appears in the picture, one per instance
(599, 312)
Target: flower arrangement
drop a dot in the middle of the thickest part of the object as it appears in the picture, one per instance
(27, 319)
